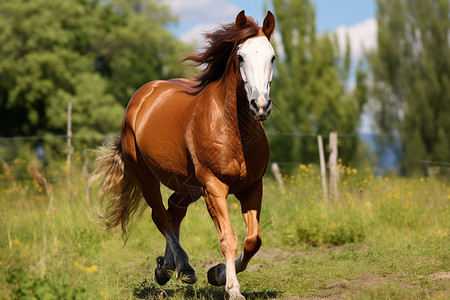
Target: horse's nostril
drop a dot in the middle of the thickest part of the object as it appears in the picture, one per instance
(268, 104)
(253, 103)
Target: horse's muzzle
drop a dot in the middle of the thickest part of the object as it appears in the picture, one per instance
(261, 110)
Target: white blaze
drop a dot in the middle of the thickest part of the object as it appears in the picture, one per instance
(255, 57)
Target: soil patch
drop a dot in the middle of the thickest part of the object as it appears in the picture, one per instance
(440, 275)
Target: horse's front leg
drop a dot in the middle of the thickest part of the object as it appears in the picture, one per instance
(251, 208)
(215, 194)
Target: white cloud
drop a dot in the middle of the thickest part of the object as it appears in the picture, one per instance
(195, 35)
(362, 36)
(203, 10)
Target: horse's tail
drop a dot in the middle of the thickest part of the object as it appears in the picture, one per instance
(119, 193)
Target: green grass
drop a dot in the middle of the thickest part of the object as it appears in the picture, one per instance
(384, 238)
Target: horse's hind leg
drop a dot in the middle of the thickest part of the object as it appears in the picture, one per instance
(150, 188)
(178, 204)
(162, 219)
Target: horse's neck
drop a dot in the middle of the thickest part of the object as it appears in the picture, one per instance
(236, 111)
(230, 100)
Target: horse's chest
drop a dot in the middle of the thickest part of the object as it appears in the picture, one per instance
(237, 158)
(225, 160)
(242, 164)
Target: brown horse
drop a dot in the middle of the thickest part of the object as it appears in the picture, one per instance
(198, 138)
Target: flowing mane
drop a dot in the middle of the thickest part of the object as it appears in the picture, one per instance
(222, 44)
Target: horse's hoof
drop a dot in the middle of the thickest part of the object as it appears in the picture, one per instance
(187, 276)
(217, 275)
(162, 275)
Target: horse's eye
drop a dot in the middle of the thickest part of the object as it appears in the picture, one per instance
(240, 59)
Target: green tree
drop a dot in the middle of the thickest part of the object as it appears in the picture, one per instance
(43, 65)
(92, 53)
(309, 89)
(411, 78)
(136, 47)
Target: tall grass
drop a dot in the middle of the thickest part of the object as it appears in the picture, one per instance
(366, 205)
(50, 249)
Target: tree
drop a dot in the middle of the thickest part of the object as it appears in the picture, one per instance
(39, 61)
(92, 53)
(137, 47)
(309, 89)
(411, 78)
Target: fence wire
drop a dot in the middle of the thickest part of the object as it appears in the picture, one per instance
(49, 153)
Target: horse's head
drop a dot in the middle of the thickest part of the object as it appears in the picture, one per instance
(255, 57)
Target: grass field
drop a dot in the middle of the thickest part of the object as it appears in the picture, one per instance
(384, 238)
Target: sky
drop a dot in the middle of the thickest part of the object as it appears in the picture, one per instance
(353, 17)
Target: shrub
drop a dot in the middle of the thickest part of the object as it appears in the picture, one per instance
(25, 285)
(336, 226)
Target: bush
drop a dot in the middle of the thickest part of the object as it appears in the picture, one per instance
(25, 285)
(335, 226)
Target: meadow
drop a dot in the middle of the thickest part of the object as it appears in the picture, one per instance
(384, 238)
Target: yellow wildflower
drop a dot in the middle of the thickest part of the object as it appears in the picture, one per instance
(84, 268)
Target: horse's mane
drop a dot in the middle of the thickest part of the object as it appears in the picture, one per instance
(222, 44)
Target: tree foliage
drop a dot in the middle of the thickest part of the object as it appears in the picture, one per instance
(411, 77)
(309, 90)
(92, 53)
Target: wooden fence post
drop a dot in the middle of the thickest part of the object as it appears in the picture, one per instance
(69, 145)
(277, 174)
(332, 162)
(322, 169)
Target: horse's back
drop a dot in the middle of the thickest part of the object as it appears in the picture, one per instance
(159, 94)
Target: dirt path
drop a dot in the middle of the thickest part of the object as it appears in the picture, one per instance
(345, 289)
(267, 262)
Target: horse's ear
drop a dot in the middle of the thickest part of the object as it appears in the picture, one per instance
(269, 24)
(241, 20)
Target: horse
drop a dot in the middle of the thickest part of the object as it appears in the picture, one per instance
(201, 137)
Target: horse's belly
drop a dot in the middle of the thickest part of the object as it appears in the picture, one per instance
(168, 161)
(180, 183)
